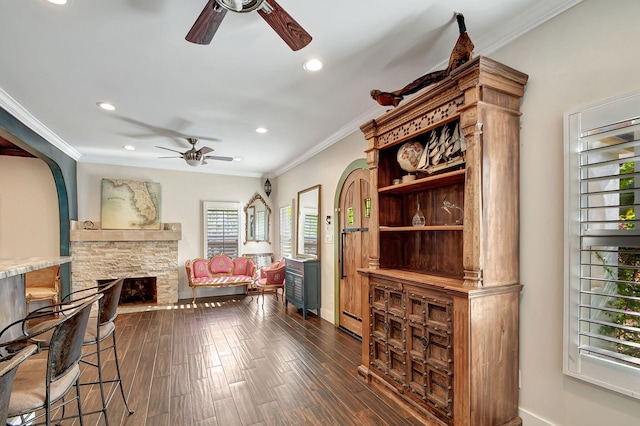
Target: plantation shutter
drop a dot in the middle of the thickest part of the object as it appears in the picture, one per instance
(311, 234)
(222, 231)
(261, 225)
(602, 246)
(286, 235)
(609, 249)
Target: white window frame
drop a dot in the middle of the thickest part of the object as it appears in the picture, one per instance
(604, 117)
(225, 205)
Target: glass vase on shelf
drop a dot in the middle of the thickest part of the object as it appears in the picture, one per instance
(418, 218)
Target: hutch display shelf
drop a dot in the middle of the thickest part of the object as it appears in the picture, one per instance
(443, 298)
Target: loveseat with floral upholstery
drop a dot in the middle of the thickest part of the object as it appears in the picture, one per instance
(220, 271)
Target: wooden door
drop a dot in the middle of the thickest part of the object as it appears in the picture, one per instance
(355, 212)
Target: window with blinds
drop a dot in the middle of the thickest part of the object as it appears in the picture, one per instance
(221, 228)
(603, 248)
(286, 234)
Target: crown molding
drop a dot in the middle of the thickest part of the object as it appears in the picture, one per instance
(25, 117)
(335, 137)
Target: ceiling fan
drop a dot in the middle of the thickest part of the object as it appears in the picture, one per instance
(282, 23)
(195, 157)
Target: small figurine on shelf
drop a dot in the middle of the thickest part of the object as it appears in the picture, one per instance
(450, 208)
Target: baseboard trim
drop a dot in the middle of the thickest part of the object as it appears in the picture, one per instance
(530, 419)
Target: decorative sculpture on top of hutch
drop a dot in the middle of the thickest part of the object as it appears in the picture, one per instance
(443, 298)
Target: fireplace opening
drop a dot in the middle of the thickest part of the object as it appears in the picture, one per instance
(137, 290)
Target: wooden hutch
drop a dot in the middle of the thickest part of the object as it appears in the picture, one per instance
(443, 298)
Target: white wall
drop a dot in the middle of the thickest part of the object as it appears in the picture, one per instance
(586, 55)
(182, 196)
(29, 216)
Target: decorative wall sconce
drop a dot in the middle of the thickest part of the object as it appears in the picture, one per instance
(267, 187)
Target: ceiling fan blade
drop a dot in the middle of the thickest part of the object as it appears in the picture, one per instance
(205, 150)
(207, 23)
(169, 149)
(215, 157)
(282, 23)
(175, 156)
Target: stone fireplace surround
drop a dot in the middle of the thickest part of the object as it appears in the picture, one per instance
(100, 254)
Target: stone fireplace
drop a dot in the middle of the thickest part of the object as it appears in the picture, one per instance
(102, 254)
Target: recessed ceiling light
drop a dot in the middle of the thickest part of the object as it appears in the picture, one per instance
(262, 130)
(107, 106)
(58, 1)
(237, 159)
(312, 65)
(129, 147)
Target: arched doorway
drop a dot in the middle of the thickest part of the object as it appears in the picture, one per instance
(63, 168)
(354, 208)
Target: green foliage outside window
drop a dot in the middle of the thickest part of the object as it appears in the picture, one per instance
(627, 304)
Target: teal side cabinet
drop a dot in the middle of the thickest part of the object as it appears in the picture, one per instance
(302, 284)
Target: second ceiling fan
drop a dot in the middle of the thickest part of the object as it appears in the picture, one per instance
(282, 23)
(196, 157)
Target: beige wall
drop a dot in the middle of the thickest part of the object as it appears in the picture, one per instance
(182, 196)
(29, 218)
(325, 169)
(582, 57)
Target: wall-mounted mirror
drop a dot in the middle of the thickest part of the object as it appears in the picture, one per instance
(257, 214)
(308, 232)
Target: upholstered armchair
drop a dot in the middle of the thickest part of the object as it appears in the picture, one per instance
(271, 278)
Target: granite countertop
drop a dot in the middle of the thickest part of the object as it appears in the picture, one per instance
(10, 267)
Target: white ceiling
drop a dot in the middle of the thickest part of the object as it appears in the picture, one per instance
(59, 61)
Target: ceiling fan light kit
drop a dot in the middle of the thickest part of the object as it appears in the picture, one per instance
(196, 157)
(193, 159)
(234, 5)
(244, 6)
(283, 24)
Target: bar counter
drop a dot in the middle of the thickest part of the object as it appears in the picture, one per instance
(12, 290)
(19, 266)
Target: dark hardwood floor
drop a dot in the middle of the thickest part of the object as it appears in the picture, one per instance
(233, 361)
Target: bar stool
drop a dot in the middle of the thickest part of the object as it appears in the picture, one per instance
(8, 366)
(100, 328)
(43, 383)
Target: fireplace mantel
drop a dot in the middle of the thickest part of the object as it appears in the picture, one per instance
(169, 232)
